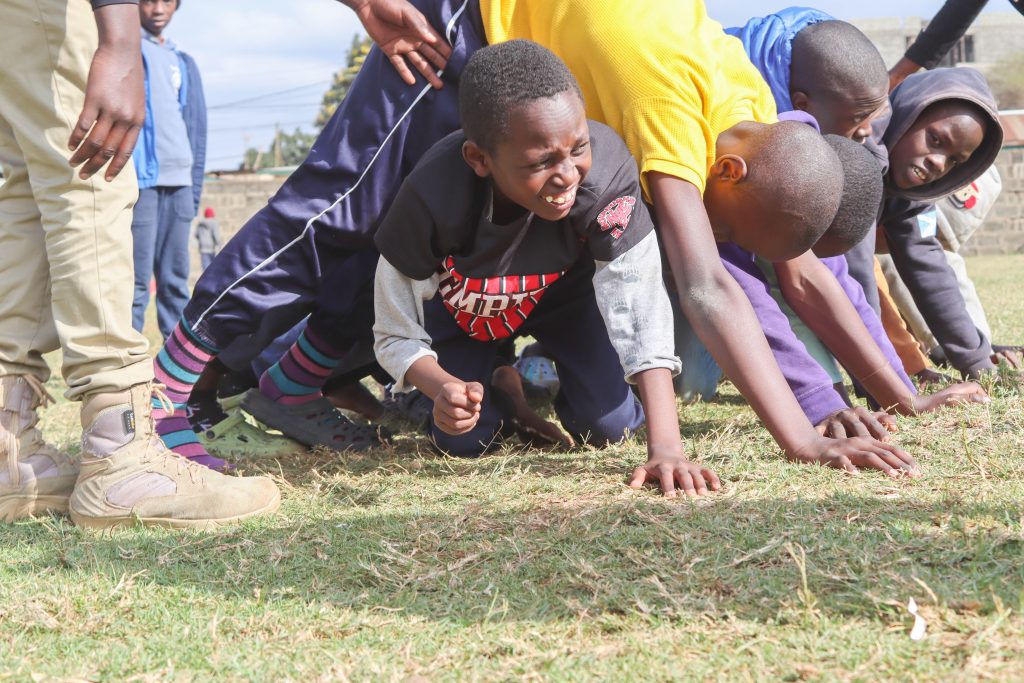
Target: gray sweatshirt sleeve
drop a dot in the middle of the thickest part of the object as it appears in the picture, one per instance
(910, 232)
(634, 304)
(399, 338)
(96, 4)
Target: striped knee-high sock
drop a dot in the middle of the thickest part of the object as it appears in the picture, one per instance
(300, 374)
(177, 367)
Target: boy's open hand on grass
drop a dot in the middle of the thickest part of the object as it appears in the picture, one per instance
(964, 392)
(405, 36)
(457, 406)
(854, 453)
(673, 473)
(857, 421)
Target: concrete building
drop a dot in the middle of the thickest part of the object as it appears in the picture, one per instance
(993, 37)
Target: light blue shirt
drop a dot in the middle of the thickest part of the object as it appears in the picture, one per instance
(173, 150)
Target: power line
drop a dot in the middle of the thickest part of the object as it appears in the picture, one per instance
(288, 105)
(258, 98)
(228, 129)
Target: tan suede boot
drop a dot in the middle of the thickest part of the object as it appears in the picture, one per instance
(128, 476)
(34, 476)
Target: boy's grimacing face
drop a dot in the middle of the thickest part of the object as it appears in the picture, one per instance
(847, 113)
(943, 136)
(542, 160)
(156, 14)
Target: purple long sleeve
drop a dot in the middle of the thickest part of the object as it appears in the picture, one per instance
(839, 268)
(811, 385)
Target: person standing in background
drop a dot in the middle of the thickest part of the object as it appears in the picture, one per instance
(170, 157)
(208, 237)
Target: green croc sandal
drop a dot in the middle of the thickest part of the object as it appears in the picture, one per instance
(234, 437)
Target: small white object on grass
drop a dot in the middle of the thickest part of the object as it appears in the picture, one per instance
(919, 627)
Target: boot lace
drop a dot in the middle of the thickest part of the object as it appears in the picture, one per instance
(157, 452)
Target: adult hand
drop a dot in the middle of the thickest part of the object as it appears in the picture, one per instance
(963, 392)
(457, 406)
(405, 36)
(670, 469)
(854, 453)
(857, 421)
(115, 96)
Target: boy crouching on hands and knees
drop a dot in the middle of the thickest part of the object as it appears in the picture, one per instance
(530, 221)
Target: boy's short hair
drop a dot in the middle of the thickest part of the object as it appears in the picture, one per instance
(798, 178)
(835, 53)
(862, 197)
(499, 78)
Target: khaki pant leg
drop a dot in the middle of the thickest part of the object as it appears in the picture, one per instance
(46, 49)
(26, 324)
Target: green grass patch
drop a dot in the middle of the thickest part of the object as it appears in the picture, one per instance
(404, 565)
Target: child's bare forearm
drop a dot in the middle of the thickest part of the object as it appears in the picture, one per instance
(659, 400)
(427, 375)
(818, 298)
(722, 316)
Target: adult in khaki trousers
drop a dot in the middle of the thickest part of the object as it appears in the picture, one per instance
(71, 97)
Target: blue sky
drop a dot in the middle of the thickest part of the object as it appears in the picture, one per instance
(250, 50)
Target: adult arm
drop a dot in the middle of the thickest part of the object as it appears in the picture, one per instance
(932, 44)
(404, 35)
(919, 259)
(115, 98)
(725, 322)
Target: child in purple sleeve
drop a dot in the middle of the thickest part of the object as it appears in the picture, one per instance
(804, 283)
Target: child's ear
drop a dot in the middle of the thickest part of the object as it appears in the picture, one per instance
(800, 100)
(730, 167)
(476, 157)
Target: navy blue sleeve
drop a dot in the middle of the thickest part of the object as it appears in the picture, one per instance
(943, 31)
(96, 4)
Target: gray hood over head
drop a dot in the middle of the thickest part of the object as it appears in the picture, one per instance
(917, 93)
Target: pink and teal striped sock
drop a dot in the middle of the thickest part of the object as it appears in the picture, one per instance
(178, 366)
(301, 373)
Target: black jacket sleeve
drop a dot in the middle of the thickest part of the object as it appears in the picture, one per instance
(942, 32)
(918, 256)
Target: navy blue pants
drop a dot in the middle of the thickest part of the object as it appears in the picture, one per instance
(160, 227)
(594, 403)
(305, 252)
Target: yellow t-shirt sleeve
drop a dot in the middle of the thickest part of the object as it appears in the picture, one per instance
(669, 135)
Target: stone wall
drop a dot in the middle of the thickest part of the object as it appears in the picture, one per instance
(1003, 231)
(234, 198)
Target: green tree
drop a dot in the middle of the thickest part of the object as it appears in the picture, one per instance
(343, 78)
(285, 149)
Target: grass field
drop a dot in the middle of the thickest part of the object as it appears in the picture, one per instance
(403, 565)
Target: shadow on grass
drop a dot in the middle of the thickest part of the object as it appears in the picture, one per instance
(577, 557)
